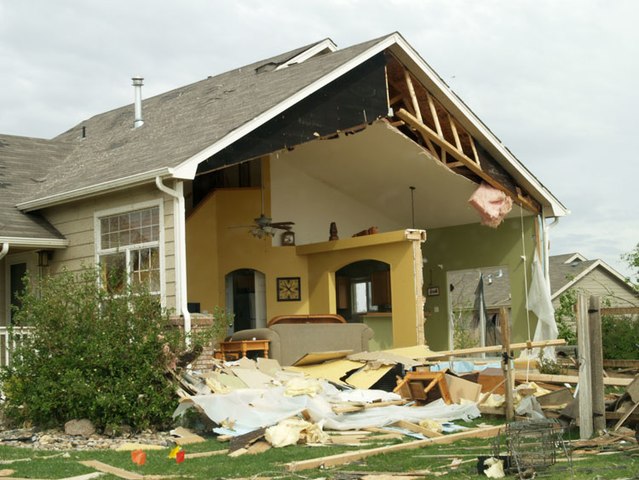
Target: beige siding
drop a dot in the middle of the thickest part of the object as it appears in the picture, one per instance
(600, 283)
(604, 285)
(77, 223)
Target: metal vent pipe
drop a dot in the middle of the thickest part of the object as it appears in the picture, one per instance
(137, 84)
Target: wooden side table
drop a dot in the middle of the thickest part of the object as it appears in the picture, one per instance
(239, 348)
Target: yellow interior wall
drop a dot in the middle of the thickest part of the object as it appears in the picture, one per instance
(399, 255)
(215, 248)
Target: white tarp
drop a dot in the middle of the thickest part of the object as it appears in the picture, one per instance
(242, 411)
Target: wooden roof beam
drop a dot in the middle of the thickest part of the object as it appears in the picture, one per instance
(465, 160)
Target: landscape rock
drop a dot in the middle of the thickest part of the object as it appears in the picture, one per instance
(83, 428)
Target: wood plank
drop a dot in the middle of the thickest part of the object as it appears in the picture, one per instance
(585, 372)
(207, 454)
(413, 97)
(625, 417)
(415, 428)
(433, 111)
(455, 134)
(596, 365)
(469, 163)
(572, 379)
(106, 468)
(505, 364)
(494, 348)
(342, 458)
(620, 310)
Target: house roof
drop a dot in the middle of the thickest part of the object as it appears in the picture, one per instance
(178, 125)
(567, 269)
(186, 126)
(25, 162)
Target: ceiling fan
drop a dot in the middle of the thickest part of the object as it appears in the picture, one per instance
(265, 226)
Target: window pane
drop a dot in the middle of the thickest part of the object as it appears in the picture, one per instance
(113, 272)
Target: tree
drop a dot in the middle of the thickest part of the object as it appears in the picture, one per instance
(632, 258)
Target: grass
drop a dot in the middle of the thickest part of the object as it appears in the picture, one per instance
(436, 459)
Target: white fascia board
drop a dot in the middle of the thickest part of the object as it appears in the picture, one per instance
(35, 242)
(597, 263)
(93, 190)
(612, 271)
(311, 52)
(476, 127)
(576, 256)
(188, 168)
(572, 282)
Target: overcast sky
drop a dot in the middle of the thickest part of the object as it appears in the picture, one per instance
(555, 80)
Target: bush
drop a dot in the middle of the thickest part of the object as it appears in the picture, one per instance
(91, 354)
(620, 337)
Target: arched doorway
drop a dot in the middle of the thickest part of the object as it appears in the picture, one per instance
(363, 287)
(246, 298)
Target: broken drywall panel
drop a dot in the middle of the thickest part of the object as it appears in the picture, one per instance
(313, 358)
(268, 366)
(384, 358)
(253, 378)
(333, 371)
(415, 352)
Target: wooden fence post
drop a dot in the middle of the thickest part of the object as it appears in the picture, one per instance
(585, 377)
(596, 365)
(505, 364)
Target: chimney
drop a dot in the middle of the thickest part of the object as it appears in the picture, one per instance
(137, 84)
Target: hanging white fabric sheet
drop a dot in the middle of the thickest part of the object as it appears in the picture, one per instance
(540, 303)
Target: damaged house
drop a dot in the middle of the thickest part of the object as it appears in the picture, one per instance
(319, 181)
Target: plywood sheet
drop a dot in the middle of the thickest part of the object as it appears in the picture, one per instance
(366, 378)
(332, 371)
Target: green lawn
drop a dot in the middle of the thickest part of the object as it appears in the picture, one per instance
(435, 458)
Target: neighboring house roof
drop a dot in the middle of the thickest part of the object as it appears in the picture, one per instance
(188, 125)
(570, 270)
(25, 163)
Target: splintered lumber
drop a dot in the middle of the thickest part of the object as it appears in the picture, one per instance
(207, 454)
(541, 377)
(342, 458)
(415, 428)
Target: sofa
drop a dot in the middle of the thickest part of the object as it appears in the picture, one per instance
(290, 342)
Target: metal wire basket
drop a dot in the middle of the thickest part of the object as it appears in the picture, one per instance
(532, 445)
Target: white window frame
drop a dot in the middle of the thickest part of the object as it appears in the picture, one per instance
(97, 217)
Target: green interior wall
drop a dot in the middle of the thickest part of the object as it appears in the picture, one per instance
(476, 246)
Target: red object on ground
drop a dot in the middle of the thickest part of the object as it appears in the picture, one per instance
(138, 457)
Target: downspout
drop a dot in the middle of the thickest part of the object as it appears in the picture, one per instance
(546, 245)
(5, 250)
(179, 215)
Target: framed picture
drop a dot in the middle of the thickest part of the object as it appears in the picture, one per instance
(288, 289)
(432, 291)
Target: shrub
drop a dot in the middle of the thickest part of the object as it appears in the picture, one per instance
(620, 337)
(92, 354)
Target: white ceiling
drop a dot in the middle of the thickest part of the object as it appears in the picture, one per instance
(376, 167)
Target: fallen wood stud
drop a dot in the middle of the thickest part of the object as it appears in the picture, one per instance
(106, 468)
(573, 379)
(343, 458)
